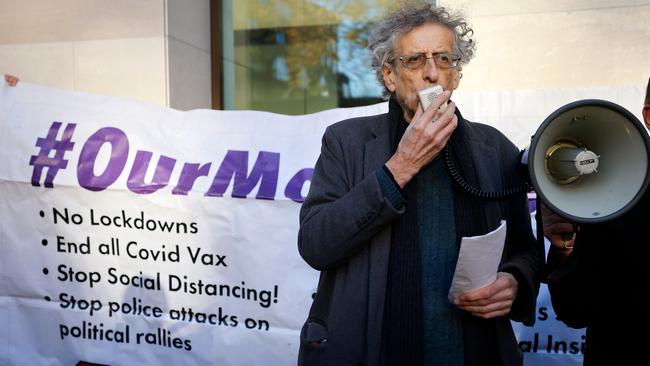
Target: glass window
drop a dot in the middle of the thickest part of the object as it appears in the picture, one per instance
(298, 56)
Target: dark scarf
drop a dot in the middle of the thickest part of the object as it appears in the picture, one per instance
(420, 325)
(402, 336)
(402, 328)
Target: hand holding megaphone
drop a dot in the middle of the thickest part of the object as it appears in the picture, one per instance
(558, 230)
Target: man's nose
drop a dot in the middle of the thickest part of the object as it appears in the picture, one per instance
(430, 70)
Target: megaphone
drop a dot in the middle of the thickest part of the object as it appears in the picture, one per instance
(588, 161)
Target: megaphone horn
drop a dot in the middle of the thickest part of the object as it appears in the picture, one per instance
(589, 160)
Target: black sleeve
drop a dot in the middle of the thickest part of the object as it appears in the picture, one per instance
(569, 283)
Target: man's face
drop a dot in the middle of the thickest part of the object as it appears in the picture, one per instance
(405, 83)
(646, 115)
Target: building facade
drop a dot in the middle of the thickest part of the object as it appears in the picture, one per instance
(303, 56)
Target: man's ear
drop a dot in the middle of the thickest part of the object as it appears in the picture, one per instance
(389, 77)
(646, 115)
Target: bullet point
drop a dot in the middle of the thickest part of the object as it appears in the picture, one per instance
(42, 213)
(44, 242)
(45, 271)
(47, 298)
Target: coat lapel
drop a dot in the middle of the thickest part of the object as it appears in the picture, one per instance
(377, 150)
(470, 148)
(480, 167)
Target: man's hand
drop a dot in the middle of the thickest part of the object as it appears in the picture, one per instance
(423, 139)
(11, 80)
(559, 231)
(492, 300)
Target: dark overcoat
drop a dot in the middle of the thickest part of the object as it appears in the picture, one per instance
(345, 232)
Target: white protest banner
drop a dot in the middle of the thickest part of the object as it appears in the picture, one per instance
(549, 342)
(138, 235)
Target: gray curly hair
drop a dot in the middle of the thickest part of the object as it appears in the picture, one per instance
(388, 30)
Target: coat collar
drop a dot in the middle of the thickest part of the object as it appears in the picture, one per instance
(470, 146)
(378, 150)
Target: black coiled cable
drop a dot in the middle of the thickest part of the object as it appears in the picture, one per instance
(492, 196)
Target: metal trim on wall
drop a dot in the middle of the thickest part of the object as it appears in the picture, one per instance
(216, 53)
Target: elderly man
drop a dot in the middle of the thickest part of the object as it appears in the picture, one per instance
(383, 220)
